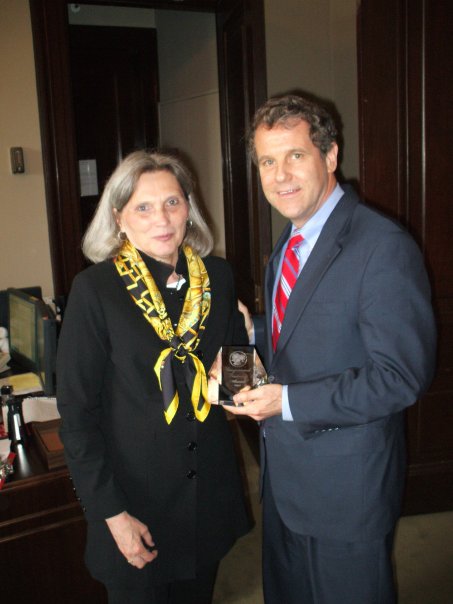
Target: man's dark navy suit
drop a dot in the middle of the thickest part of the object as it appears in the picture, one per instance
(357, 347)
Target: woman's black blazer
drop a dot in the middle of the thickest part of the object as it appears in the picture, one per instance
(182, 479)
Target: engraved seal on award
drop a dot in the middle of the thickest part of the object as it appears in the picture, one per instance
(235, 368)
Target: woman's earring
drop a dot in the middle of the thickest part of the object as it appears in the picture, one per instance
(122, 236)
(189, 223)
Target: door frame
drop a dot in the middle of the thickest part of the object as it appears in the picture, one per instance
(51, 50)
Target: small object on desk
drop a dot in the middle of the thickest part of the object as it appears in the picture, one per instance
(17, 432)
(5, 447)
(3, 419)
(4, 342)
(6, 468)
(23, 383)
(6, 456)
(4, 360)
(48, 443)
(3, 433)
(39, 409)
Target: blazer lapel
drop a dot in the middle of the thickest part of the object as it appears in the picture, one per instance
(327, 248)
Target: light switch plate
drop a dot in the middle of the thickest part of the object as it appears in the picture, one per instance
(17, 160)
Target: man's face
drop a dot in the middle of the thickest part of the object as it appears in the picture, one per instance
(295, 177)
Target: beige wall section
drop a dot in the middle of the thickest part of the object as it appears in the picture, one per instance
(25, 254)
(311, 45)
(189, 104)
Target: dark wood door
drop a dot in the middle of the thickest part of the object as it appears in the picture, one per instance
(242, 82)
(405, 99)
(115, 94)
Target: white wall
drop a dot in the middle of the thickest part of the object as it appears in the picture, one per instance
(24, 241)
(189, 104)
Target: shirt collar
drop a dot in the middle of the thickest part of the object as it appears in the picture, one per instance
(313, 227)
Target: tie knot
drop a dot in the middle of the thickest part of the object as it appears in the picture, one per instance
(295, 241)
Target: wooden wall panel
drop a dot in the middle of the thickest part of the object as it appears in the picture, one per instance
(405, 97)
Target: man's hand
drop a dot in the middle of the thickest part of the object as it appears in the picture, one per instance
(132, 537)
(258, 403)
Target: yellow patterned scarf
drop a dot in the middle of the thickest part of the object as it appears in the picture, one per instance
(184, 341)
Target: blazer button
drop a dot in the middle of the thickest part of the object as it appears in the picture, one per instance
(190, 416)
(271, 378)
(192, 446)
(191, 474)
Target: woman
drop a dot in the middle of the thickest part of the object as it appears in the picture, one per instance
(152, 462)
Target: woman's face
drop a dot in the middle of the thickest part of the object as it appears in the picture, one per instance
(154, 219)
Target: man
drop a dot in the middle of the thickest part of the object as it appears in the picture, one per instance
(350, 342)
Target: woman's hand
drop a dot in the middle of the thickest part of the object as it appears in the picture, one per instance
(247, 319)
(132, 538)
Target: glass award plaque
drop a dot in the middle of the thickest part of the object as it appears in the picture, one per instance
(235, 368)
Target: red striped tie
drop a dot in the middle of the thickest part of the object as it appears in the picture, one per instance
(290, 271)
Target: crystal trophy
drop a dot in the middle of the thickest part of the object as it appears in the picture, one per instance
(235, 368)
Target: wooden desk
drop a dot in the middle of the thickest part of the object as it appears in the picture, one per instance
(42, 537)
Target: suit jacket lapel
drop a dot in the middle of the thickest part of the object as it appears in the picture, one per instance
(327, 248)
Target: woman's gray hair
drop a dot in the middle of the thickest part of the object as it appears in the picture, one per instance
(101, 240)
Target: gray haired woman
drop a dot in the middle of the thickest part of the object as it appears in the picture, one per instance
(153, 463)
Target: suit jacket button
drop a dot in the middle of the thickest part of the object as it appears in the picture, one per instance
(270, 378)
(191, 474)
(192, 446)
(190, 416)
